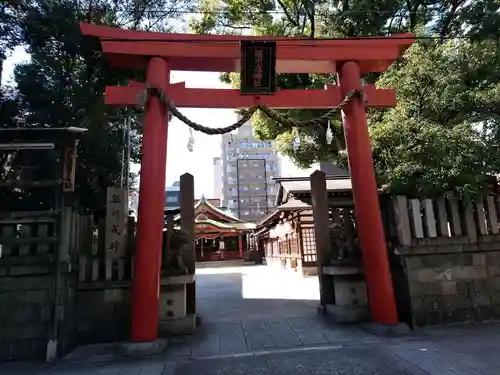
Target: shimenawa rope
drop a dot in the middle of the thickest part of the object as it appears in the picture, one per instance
(150, 91)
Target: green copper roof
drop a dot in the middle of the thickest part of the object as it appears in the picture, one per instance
(209, 205)
(217, 224)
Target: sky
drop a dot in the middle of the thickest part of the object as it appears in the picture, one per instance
(179, 160)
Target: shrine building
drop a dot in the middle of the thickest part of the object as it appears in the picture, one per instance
(219, 234)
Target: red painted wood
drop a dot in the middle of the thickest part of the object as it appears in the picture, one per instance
(227, 98)
(133, 49)
(240, 245)
(112, 33)
(106, 32)
(146, 282)
(285, 50)
(222, 52)
(366, 202)
(230, 65)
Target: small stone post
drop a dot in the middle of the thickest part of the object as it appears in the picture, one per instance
(168, 236)
(322, 234)
(188, 226)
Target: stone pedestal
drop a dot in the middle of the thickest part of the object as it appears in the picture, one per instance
(174, 317)
(351, 299)
(142, 350)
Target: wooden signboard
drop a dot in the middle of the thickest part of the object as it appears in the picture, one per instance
(69, 168)
(258, 67)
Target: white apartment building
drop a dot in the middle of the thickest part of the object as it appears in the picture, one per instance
(248, 167)
(217, 193)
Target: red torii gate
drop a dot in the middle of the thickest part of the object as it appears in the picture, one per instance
(160, 53)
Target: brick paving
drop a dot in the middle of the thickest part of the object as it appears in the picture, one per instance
(256, 323)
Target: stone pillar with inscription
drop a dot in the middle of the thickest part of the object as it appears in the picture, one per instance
(322, 236)
(115, 239)
(177, 293)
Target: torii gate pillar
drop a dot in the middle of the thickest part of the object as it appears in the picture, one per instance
(366, 202)
(146, 279)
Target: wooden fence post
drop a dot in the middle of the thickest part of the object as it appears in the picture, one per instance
(470, 223)
(456, 225)
(416, 218)
(492, 214)
(402, 218)
(442, 219)
(429, 219)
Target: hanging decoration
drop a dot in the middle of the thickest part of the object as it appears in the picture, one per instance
(144, 96)
(329, 133)
(190, 143)
(296, 141)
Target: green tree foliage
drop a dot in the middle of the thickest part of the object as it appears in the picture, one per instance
(444, 134)
(64, 82)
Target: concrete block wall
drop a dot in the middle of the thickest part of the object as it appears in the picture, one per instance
(26, 308)
(453, 280)
(24, 316)
(102, 312)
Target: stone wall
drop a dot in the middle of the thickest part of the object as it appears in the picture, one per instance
(103, 312)
(453, 279)
(26, 305)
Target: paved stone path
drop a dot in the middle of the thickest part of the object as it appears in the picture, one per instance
(256, 323)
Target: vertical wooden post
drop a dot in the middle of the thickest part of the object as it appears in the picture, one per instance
(65, 235)
(492, 214)
(402, 219)
(430, 220)
(168, 237)
(442, 219)
(481, 217)
(146, 282)
(367, 205)
(470, 223)
(187, 225)
(240, 245)
(416, 218)
(456, 223)
(221, 247)
(322, 234)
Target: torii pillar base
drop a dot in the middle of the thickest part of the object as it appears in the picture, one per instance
(140, 350)
(387, 330)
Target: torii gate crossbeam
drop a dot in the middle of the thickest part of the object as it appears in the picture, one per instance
(159, 53)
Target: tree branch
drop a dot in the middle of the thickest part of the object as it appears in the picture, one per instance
(449, 18)
(289, 17)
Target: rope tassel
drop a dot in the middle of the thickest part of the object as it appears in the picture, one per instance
(190, 143)
(149, 91)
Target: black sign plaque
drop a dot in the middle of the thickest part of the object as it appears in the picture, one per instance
(258, 67)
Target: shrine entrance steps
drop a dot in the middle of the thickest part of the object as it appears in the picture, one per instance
(247, 309)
